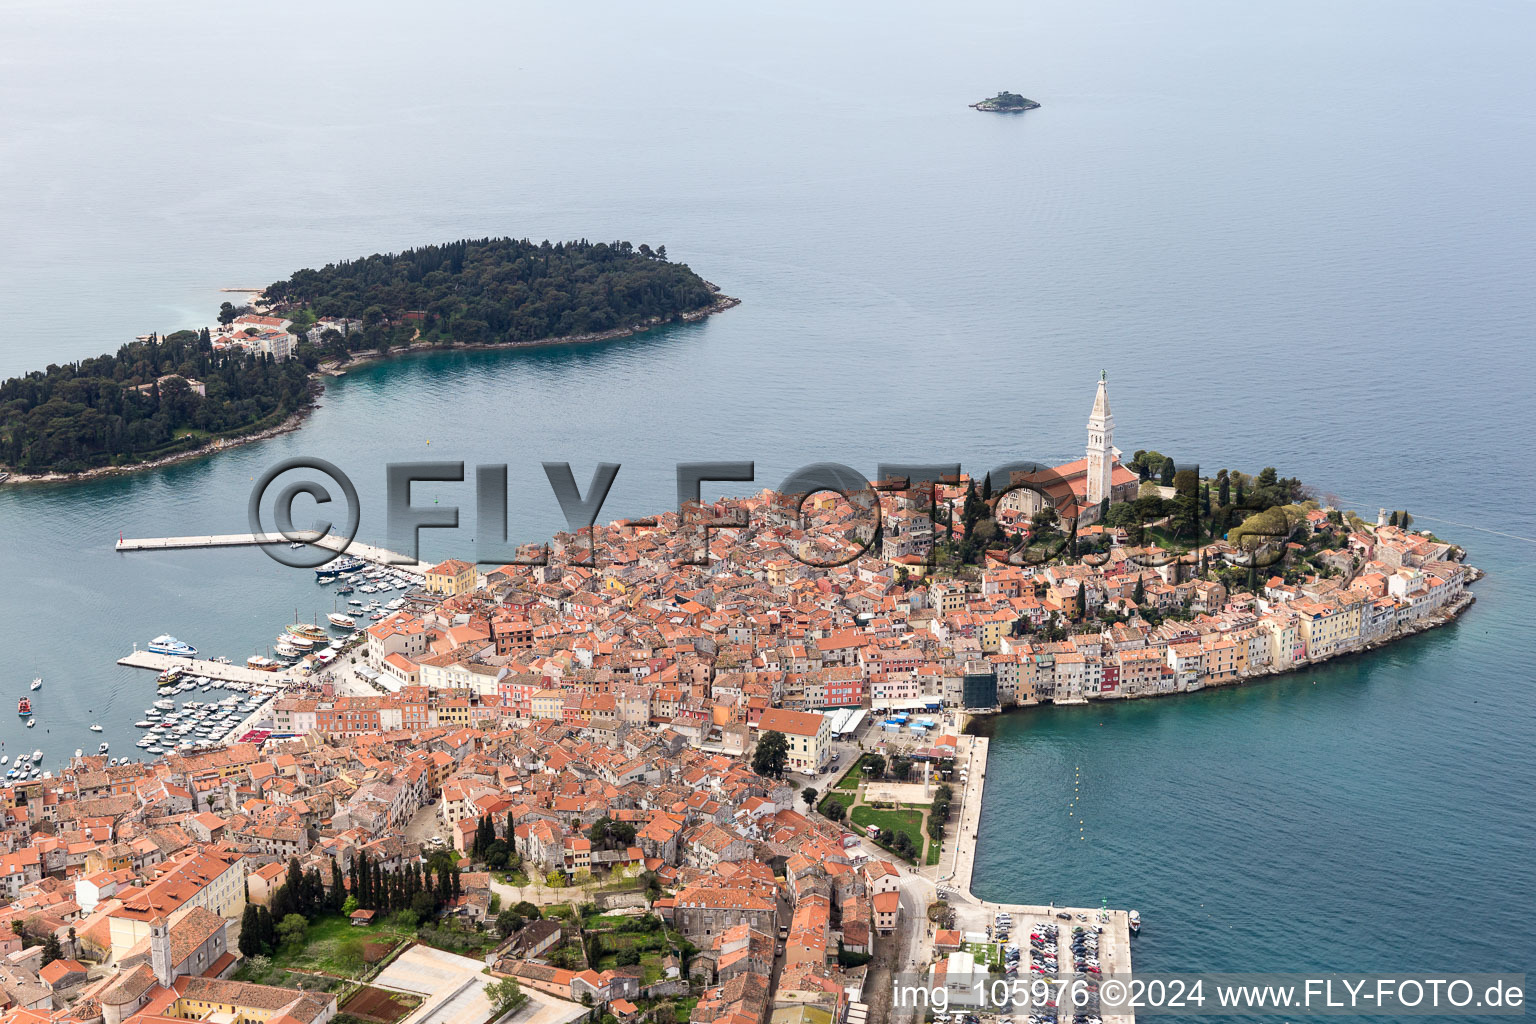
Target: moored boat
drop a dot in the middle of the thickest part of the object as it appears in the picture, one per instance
(1135, 919)
(167, 644)
(24, 707)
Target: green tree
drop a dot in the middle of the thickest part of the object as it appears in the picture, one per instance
(292, 931)
(771, 755)
(835, 810)
(505, 995)
(250, 931)
(808, 794)
(51, 949)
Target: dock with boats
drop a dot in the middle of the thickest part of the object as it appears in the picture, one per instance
(331, 542)
(216, 670)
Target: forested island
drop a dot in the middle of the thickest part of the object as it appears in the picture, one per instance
(1005, 103)
(160, 398)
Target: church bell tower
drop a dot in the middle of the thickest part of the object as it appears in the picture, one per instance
(1101, 446)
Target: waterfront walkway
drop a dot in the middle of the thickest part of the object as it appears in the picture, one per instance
(331, 542)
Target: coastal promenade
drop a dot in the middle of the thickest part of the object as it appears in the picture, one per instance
(332, 542)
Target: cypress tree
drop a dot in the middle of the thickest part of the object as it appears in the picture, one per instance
(266, 929)
(295, 885)
(250, 931)
(338, 891)
(364, 891)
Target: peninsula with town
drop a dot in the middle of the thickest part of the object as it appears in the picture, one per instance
(636, 785)
(258, 370)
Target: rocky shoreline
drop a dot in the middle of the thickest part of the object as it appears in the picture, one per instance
(222, 444)
(293, 422)
(371, 356)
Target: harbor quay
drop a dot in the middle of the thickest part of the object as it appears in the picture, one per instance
(979, 922)
(370, 553)
(217, 670)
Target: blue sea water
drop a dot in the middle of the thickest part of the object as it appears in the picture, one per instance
(1300, 237)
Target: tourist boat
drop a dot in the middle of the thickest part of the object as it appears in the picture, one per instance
(167, 644)
(24, 707)
(1135, 918)
(261, 664)
(308, 631)
(341, 621)
(170, 676)
(95, 727)
(37, 684)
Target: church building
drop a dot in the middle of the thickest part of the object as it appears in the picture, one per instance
(1077, 488)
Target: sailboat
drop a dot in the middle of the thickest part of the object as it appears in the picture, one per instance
(37, 684)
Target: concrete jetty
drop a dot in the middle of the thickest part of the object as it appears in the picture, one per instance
(212, 669)
(332, 542)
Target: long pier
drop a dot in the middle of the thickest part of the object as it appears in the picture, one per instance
(332, 542)
(212, 669)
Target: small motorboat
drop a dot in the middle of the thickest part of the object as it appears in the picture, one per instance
(95, 727)
(37, 684)
(31, 722)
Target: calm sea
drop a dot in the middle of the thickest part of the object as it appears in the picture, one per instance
(1300, 237)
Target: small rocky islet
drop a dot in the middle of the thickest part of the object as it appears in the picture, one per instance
(1005, 103)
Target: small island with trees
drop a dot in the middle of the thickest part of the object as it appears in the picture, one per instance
(159, 399)
(1005, 103)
